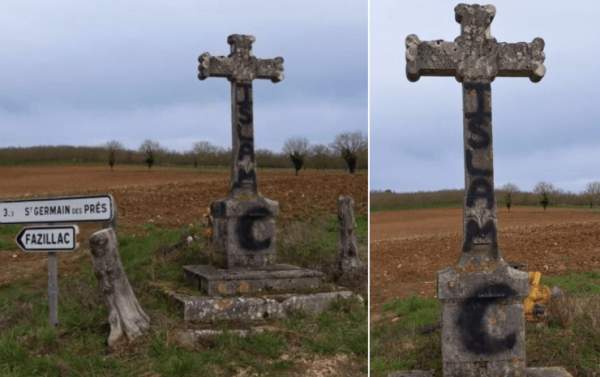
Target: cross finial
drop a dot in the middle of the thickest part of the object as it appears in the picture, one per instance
(240, 65)
(241, 42)
(474, 56)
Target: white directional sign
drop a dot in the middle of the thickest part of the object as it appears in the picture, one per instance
(57, 210)
(50, 238)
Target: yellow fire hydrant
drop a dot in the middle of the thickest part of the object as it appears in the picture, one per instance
(539, 297)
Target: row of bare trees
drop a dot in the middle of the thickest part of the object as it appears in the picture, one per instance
(544, 194)
(546, 191)
(351, 147)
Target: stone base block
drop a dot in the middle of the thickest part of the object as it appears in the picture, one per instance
(244, 231)
(238, 281)
(412, 373)
(211, 309)
(189, 338)
(548, 372)
(483, 327)
(530, 372)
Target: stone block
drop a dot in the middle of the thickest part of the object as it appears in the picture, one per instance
(211, 309)
(548, 372)
(244, 231)
(483, 327)
(412, 373)
(239, 281)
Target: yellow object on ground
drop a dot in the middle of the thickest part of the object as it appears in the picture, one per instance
(539, 297)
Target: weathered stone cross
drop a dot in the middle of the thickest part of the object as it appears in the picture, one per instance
(483, 329)
(240, 67)
(475, 59)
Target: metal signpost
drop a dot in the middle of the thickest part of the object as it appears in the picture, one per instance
(51, 237)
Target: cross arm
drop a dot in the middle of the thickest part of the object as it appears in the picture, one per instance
(271, 69)
(214, 66)
(522, 59)
(430, 58)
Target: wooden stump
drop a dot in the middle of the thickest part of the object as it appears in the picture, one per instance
(348, 260)
(126, 316)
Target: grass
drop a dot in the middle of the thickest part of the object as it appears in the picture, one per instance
(408, 335)
(7, 236)
(77, 347)
(583, 283)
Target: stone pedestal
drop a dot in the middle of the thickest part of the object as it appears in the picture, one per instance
(238, 281)
(244, 283)
(529, 372)
(483, 327)
(244, 231)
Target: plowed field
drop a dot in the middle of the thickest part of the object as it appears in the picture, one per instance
(170, 197)
(408, 247)
(178, 196)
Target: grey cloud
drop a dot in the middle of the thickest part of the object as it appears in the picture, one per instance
(545, 131)
(83, 72)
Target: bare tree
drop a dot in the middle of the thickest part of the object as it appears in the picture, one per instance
(149, 148)
(544, 189)
(320, 155)
(509, 189)
(296, 148)
(349, 145)
(592, 191)
(205, 151)
(113, 147)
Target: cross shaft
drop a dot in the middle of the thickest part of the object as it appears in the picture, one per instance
(240, 67)
(475, 59)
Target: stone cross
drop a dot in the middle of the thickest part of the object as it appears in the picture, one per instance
(240, 67)
(483, 329)
(475, 59)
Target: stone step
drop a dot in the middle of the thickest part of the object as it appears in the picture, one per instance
(530, 372)
(240, 281)
(254, 308)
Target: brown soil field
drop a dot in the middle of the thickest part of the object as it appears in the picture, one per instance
(180, 196)
(167, 197)
(408, 247)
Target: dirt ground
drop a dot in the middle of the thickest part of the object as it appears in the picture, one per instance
(409, 246)
(170, 197)
(179, 196)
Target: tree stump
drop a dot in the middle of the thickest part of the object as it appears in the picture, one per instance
(348, 261)
(125, 315)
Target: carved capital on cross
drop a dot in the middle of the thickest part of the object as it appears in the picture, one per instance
(474, 56)
(240, 65)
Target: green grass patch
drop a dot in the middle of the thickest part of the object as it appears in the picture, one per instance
(314, 244)
(415, 311)
(339, 330)
(407, 338)
(30, 347)
(581, 283)
(408, 335)
(8, 233)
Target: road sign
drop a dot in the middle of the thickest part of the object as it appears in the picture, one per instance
(49, 238)
(57, 210)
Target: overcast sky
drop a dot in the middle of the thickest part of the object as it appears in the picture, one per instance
(85, 72)
(546, 131)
